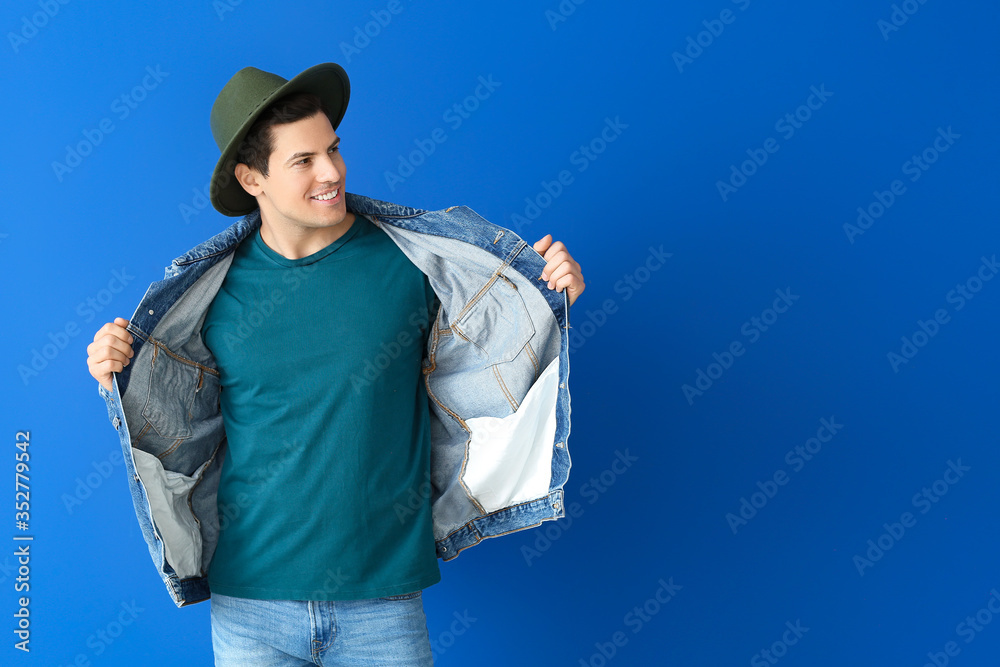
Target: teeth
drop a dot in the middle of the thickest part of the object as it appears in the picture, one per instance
(328, 196)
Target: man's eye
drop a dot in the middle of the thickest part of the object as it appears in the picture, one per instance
(302, 161)
(335, 149)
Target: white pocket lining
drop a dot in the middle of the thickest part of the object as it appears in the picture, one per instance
(510, 458)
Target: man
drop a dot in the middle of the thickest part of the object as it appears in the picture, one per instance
(322, 399)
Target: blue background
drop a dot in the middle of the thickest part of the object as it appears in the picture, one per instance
(558, 594)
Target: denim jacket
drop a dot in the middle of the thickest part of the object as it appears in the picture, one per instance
(495, 367)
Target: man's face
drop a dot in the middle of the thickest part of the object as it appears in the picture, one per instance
(305, 186)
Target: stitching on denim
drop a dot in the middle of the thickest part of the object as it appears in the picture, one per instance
(475, 299)
(157, 345)
(417, 212)
(503, 387)
(169, 450)
(534, 360)
(480, 537)
(404, 596)
(478, 296)
(199, 258)
(317, 621)
(137, 438)
(515, 251)
(432, 365)
(462, 334)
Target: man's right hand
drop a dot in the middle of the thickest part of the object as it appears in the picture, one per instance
(110, 352)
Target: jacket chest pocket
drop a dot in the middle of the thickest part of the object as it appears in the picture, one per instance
(495, 322)
(179, 393)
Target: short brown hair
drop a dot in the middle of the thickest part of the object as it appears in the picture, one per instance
(256, 148)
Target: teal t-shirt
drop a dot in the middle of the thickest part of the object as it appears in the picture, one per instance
(325, 489)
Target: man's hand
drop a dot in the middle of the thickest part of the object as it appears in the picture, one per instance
(110, 352)
(560, 269)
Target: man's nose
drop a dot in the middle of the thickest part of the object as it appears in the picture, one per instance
(328, 170)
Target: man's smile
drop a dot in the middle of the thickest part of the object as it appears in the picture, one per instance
(329, 195)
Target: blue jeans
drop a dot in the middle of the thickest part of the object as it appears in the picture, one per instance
(274, 633)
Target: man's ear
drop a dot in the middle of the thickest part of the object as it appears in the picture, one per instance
(250, 179)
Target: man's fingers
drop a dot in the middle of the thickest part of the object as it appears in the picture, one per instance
(561, 271)
(572, 284)
(104, 354)
(558, 246)
(100, 349)
(542, 244)
(565, 274)
(116, 329)
(107, 367)
(102, 371)
(561, 264)
(555, 255)
(110, 352)
(102, 341)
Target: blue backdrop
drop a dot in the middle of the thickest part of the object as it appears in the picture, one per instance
(784, 365)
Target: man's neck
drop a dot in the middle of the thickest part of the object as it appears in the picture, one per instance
(295, 242)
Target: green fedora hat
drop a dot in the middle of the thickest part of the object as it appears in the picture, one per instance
(239, 104)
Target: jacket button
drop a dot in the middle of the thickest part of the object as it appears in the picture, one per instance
(560, 444)
(555, 506)
(117, 422)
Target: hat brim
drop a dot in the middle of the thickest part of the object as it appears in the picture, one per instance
(328, 80)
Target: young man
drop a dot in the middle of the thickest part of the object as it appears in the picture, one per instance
(324, 398)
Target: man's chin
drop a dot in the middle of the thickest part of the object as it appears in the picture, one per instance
(329, 221)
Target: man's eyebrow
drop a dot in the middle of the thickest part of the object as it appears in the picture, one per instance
(303, 154)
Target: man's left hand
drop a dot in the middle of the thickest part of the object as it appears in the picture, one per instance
(560, 269)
